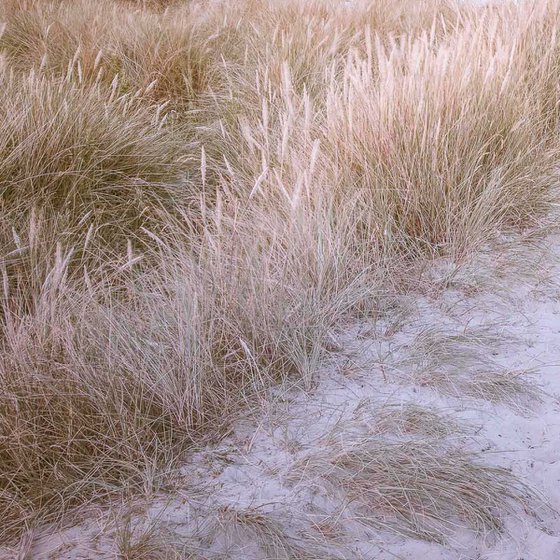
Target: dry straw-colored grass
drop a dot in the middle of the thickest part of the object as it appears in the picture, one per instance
(191, 196)
(419, 488)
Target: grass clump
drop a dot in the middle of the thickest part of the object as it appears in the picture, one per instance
(419, 488)
(160, 55)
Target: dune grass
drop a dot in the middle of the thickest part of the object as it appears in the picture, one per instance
(193, 194)
(469, 494)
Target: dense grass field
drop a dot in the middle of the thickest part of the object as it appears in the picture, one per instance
(194, 194)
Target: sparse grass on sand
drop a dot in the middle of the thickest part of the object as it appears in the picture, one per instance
(193, 194)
